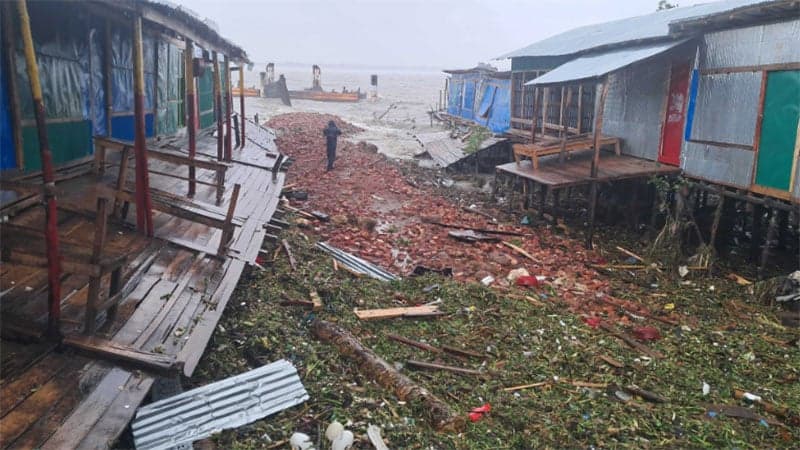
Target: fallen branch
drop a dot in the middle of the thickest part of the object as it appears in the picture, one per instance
(519, 250)
(462, 352)
(647, 395)
(611, 361)
(413, 343)
(480, 213)
(479, 230)
(631, 254)
(633, 343)
(288, 251)
(438, 412)
(434, 366)
(780, 411)
(526, 386)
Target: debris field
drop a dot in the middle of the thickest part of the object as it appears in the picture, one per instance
(558, 355)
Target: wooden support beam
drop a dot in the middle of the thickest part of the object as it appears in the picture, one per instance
(218, 106)
(227, 70)
(598, 127)
(241, 102)
(107, 76)
(191, 127)
(772, 229)
(48, 175)
(144, 206)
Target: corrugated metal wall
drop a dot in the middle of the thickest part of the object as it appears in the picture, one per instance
(719, 95)
(633, 109)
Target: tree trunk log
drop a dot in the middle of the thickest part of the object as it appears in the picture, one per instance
(440, 414)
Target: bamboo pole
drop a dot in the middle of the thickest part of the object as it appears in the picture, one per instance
(218, 106)
(51, 222)
(191, 129)
(227, 68)
(144, 206)
(241, 99)
(13, 93)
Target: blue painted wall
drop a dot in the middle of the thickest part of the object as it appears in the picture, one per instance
(481, 98)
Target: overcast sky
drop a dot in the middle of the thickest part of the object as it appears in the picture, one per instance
(407, 33)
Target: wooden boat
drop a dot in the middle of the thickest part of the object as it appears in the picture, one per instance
(248, 92)
(323, 96)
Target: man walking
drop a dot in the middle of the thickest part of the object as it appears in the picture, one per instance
(331, 133)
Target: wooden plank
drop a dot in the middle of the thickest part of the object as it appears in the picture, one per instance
(15, 392)
(391, 313)
(193, 350)
(24, 415)
(119, 413)
(114, 352)
(80, 422)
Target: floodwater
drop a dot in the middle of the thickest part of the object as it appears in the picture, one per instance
(390, 122)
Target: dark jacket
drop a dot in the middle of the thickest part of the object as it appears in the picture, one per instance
(331, 133)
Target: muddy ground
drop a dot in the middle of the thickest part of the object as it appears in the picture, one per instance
(701, 338)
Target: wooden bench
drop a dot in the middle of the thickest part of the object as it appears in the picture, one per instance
(534, 151)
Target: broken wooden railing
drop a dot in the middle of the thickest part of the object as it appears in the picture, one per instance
(22, 245)
(102, 144)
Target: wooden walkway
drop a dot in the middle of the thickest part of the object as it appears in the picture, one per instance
(575, 171)
(176, 289)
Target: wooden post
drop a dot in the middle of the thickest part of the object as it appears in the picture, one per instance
(218, 105)
(51, 220)
(93, 296)
(772, 229)
(236, 133)
(580, 108)
(568, 97)
(545, 102)
(756, 232)
(533, 116)
(144, 206)
(107, 77)
(122, 178)
(227, 70)
(10, 46)
(191, 129)
(598, 127)
(717, 218)
(241, 100)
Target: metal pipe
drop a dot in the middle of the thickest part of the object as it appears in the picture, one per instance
(51, 222)
(227, 67)
(190, 125)
(241, 99)
(144, 206)
(218, 105)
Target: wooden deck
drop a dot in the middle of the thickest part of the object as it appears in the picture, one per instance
(176, 290)
(575, 171)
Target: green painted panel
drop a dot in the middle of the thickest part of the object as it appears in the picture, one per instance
(779, 129)
(205, 98)
(68, 141)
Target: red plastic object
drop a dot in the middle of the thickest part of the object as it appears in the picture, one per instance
(527, 281)
(476, 413)
(593, 322)
(647, 333)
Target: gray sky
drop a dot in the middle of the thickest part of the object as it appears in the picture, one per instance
(409, 33)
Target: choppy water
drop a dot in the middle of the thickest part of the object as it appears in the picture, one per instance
(407, 95)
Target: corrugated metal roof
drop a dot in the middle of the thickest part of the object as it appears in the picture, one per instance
(594, 66)
(650, 26)
(228, 403)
